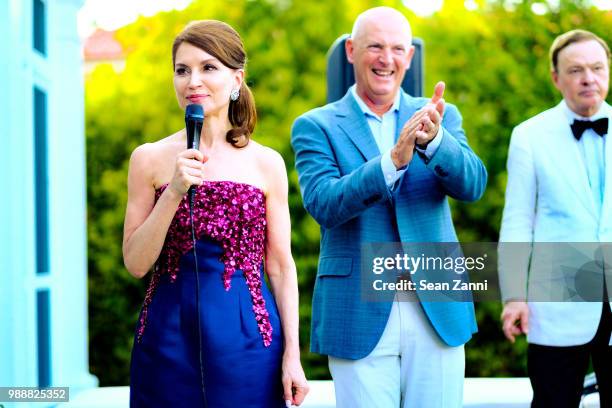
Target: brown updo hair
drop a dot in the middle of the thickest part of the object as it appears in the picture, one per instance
(223, 42)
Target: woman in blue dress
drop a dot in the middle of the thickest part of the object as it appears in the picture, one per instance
(210, 333)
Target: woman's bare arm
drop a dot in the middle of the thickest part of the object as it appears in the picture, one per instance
(146, 222)
(281, 270)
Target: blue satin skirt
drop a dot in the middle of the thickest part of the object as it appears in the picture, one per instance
(239, 371)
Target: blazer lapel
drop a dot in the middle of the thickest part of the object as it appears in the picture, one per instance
(606, 209)
(407, 108)
(570, 158)
(352, 121)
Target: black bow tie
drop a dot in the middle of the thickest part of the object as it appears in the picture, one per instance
(600, 126)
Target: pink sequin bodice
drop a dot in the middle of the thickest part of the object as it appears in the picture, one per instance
(233, 214)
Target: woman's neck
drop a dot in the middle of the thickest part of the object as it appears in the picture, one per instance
(214, 131)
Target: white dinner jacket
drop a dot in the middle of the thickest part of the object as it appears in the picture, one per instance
(548, 199)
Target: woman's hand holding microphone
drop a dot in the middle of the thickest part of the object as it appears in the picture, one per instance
(188, 171)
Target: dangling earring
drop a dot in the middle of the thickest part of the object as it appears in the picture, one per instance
(235, 94)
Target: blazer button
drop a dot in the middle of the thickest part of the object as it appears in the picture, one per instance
(372, 199)
(440, 171)
(423, 157)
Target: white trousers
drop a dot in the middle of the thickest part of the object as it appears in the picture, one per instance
(410, 367)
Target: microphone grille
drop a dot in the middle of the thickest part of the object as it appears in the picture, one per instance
(194, 112)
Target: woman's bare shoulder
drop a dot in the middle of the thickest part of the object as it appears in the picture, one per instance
(272, 165)
(151, 159)
(156, 150)
(266, 156)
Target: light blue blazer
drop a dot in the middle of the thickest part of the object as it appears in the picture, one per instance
(343, 188)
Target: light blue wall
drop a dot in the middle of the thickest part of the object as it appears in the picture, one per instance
(6, 282)
(59, 74)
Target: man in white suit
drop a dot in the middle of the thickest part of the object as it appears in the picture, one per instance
(560, 190)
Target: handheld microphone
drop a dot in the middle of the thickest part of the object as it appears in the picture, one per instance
(194, 118)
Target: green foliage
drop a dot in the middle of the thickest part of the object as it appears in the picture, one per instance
(493, 60)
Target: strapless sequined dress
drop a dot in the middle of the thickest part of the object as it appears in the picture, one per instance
(240, 328)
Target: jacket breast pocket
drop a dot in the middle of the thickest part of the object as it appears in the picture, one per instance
(335, 266)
